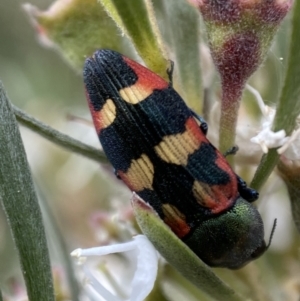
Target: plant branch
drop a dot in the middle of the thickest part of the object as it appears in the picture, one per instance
(59, 138)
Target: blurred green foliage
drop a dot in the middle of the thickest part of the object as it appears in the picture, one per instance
(39, 81)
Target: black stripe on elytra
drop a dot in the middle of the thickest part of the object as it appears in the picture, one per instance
(202, 164)
(172, 184)
(139, 127)
(104, 75)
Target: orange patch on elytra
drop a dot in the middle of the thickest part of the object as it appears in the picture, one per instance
(176, 220)
(203, 194)
(135, 94)
(105, 117)
(178, 147)
(139, 175)
(146, 83)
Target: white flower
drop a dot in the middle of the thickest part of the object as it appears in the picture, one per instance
(266, 138)
(145, 274)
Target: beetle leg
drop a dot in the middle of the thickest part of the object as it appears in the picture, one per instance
(203, 124)
(232, 151)
(170, 72)
(247, 193)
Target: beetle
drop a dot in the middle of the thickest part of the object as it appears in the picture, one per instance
(158, 147)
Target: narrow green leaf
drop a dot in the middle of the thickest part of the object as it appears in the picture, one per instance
(21, 207)
(180, 255)
(185, 41)
(59, 138)
(1, 299)
(60, 248)
(137, 21)
(289, 103)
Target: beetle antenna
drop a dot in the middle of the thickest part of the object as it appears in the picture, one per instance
(272, 233)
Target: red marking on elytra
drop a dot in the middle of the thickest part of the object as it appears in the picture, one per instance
(192, 126)
(219, 197)
(147, 80)
(225, 194)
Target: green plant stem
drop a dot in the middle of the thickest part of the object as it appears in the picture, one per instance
(20, 204)
(180, 14)
(265, 168)
(229, 115)
(1, 299)
(59, 138)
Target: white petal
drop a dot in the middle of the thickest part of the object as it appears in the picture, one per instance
(98, 287)
(145, 274)
(144, 278)
(268, 139)
(105, 250)
(258, 98)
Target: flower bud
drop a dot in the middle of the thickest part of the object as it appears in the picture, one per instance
(239, 34)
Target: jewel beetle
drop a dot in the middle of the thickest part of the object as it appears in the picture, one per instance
(158, 147)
